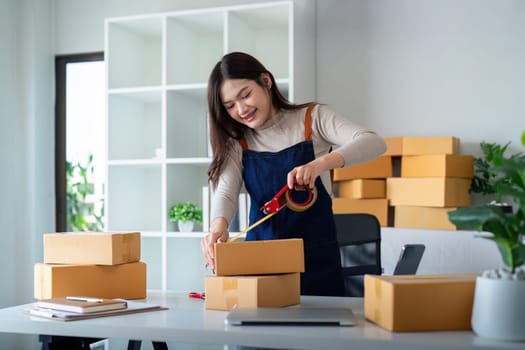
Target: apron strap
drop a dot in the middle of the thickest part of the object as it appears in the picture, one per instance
(243, 143)
(308, 123)
(308, 133)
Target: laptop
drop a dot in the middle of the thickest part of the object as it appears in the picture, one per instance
(292, 316)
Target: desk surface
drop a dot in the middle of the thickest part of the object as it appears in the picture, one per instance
(187, 321)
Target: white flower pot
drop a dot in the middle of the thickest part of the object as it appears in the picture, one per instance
(186, 226)
(499, 309)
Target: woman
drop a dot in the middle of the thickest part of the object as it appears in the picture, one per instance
(264, 141)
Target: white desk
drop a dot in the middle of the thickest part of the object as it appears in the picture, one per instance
(187, 321)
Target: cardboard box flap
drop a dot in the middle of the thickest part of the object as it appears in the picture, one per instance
(428, 279)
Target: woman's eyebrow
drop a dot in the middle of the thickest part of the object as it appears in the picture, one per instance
(238, 93)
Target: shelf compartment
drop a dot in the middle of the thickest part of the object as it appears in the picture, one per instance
(134, 52)
(134, 198)
(187, 135)
(184, 183)
(183, 253)
(134, 125)
(151, 254)
(263, 32)
(195, 42)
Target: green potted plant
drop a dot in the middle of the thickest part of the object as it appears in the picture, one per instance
(483, 181)
(185, 214)
(499, 307)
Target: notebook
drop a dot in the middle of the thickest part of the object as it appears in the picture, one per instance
(82, 305)
(290, 316)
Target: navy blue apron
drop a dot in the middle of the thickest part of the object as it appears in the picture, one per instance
(264, 174)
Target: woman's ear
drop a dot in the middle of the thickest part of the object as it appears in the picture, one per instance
(265, 77)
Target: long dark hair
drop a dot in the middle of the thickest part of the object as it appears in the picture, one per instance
(224, 130)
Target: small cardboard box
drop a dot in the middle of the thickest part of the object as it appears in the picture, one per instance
(126, 281)
(225, 293)
(420, 302)
(423, 217)
(259, 257)
(379, 168)
(394, 146)
(100, 248)
(377, 207)
(362, 188)
(438, 165)
(428, 191)
(414, 146)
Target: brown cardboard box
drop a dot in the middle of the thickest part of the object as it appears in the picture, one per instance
(126, 281)
(423, 217)
(394, 146)
(428, 191)
(379, 168)
(438, 165)
(377, 207)
(420, 302)
(259, 257)
(362, 188)
(98, 248)
(225, 293)
(414, 146)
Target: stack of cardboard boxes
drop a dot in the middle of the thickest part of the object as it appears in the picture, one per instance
(413, 185)
(361, 188)
(255, 274)
(434, 180)
(102, 265)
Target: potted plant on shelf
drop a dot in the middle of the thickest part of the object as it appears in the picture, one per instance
(185, 214)
(499, 304)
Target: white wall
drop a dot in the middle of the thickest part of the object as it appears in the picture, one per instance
(26, 149)
(26, 141)
(426, 68)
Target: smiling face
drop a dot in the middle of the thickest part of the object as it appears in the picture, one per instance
(248, 102)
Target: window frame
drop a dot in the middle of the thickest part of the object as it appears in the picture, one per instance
(61, 62)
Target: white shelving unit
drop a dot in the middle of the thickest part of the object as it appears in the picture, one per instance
(157, 71)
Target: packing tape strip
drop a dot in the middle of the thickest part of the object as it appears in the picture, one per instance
(298, 207)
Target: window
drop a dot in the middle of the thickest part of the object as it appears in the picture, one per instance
(80, 142)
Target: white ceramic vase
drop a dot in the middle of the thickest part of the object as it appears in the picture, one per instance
(499, 309)
(185, 226)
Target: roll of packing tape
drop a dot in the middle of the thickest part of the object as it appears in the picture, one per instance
(301, 206)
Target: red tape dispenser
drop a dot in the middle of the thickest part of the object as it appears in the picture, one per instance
(283, 198)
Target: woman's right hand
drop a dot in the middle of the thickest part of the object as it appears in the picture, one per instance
(218, 233)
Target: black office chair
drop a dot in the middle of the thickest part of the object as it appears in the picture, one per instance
(359, 237)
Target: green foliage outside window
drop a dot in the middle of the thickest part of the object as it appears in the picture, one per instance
(82, 215)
